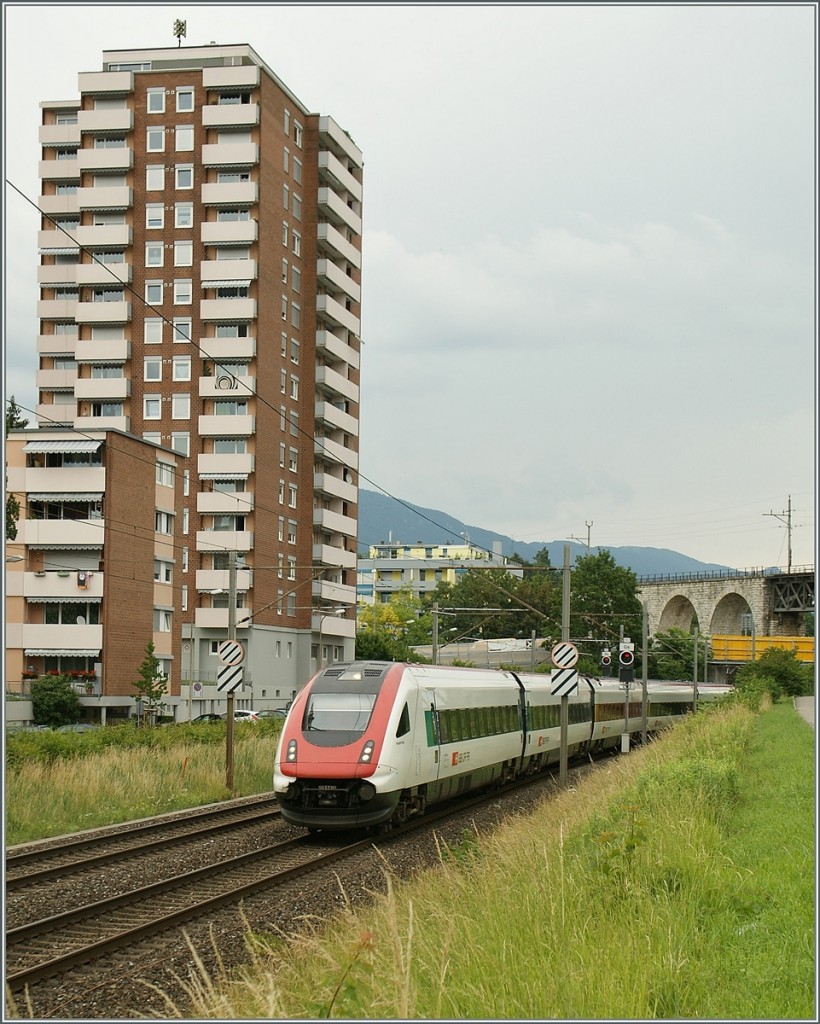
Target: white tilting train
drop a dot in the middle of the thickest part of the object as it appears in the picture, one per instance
(367, 743)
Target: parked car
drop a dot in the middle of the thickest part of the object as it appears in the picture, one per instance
(77, 727)
(208, 718)
(273, 713)
(243, 716)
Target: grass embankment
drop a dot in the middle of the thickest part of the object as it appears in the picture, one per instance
(58, 783)
(679, 882)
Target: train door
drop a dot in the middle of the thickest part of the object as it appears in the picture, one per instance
(428, 738)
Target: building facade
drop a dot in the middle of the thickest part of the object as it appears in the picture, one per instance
(200, 276)
(93, 574)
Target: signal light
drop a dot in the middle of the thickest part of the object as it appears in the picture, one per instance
(627, 658)
(606, 658)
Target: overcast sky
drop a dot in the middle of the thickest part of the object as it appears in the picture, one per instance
(588, 277)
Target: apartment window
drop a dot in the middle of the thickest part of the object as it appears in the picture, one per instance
(152, 368)
(109, 142)
(296, 279)
(181, 406)
(281, 533)
(232, 330)
(65, 188)
(293, 463)
(232, 292)
(183, 291)
(294, 351)
(155, 140)
(183, 215)
(106, 372)
(286, 197)
(292, 495)
(152, 407)
(162, 621)
(295, 315)
(284, 307)
(232, 252)
(284, 271)
(183, 254)
(287, 160)
(155, 101)
(283, 381)
(186, 482)
(184, 176)
(66, 154)
(165, 474)
(155, 177)
(154, 215)
(291, 531)
(231, 407)
(232, 177)
(297, 244)
(185, 98)
(152, 331)
(154, 254)
(163, 571)
(182, 329)
(153, 292)
(184, 559)
(108, 295)
(163, 521)
(108, 217)
(66, 117)
(232, 369)
(223, 216)
(181, 442)
(297, 134)
(297, 206)
(297, 170)
(182, 368)
(281, 492)
(294, 422)
(184, 138)
(294, 387)
(229, 446)
(282, 450)
(184, 597)
(152, 437)
(231, 98)
(284, 233)
(287, 122)
(110, 257)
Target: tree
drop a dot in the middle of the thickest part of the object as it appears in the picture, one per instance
(778, 671)
(152, 682)
(14, 417)
(672, 655)
(54, 701)
(604, 597)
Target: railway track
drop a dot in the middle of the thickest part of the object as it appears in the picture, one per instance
(29, 866)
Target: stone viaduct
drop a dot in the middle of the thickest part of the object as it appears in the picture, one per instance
(764, 602)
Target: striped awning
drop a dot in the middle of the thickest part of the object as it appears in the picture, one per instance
(77, 599)
(66, 496)
(226, 284)
(63, 250)
(73, 446)
(63, 547)
(52, 652)
(223, 476)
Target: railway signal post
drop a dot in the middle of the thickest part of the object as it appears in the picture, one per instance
(626, 659)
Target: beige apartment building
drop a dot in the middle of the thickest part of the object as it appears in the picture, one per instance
(200, 276)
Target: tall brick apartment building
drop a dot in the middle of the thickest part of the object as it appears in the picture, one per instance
(200, 287)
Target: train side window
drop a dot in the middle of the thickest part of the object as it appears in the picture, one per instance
(404, 722)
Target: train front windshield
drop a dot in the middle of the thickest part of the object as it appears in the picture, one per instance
(337, 712)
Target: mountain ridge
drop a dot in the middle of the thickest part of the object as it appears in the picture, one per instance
(384, 520)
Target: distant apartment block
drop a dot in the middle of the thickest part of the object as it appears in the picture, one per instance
(200, 286)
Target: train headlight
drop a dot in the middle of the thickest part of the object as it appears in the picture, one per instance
(367, 753)
(290, 756)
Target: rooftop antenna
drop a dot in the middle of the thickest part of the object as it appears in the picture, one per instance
(180, 29)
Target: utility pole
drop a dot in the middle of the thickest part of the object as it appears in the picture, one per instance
(589, 528)
(645, 673)
(565, 620)
(785, 517)
(434, 651)
(231, 636)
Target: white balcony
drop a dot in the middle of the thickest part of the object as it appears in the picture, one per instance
(121, 159)
(104, 236)
(105, 388)
(332, 451)
(333, 625)
(223, 540)
(61, 274)
(230, 232)
(59, 206)
(99, 121)
(56, 479)
(58, 170)
(113, 197)
(332, 278)
(56, 309)
(230, 115)
(56, 344)
(336, 313)
(227, 465)
(329, 554)
(57, 586)
(61, 638)
(336, 350)
(55, 380)
(334, 522)
(337, 419)
(51, 415)
(217, 579)
(225, 385)
(230, 310)
(60, 135)
(337, 211)
(103, 312)
(103, 423)
(227, 349)
(227, 270)
(117, 350)
(103, 273)
(58, 238)
(61, 532)
(230, 154)
(333, 241)
(339, 140)
(226, 426)
(228, 78)
(235, 503)
(329, 380)
(332, 170)
(236, 193)
(326, 593)
(324, 483)
(111, 83)
(217, 618)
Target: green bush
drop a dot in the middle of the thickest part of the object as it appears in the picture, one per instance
(777, 671)
(54, 701)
